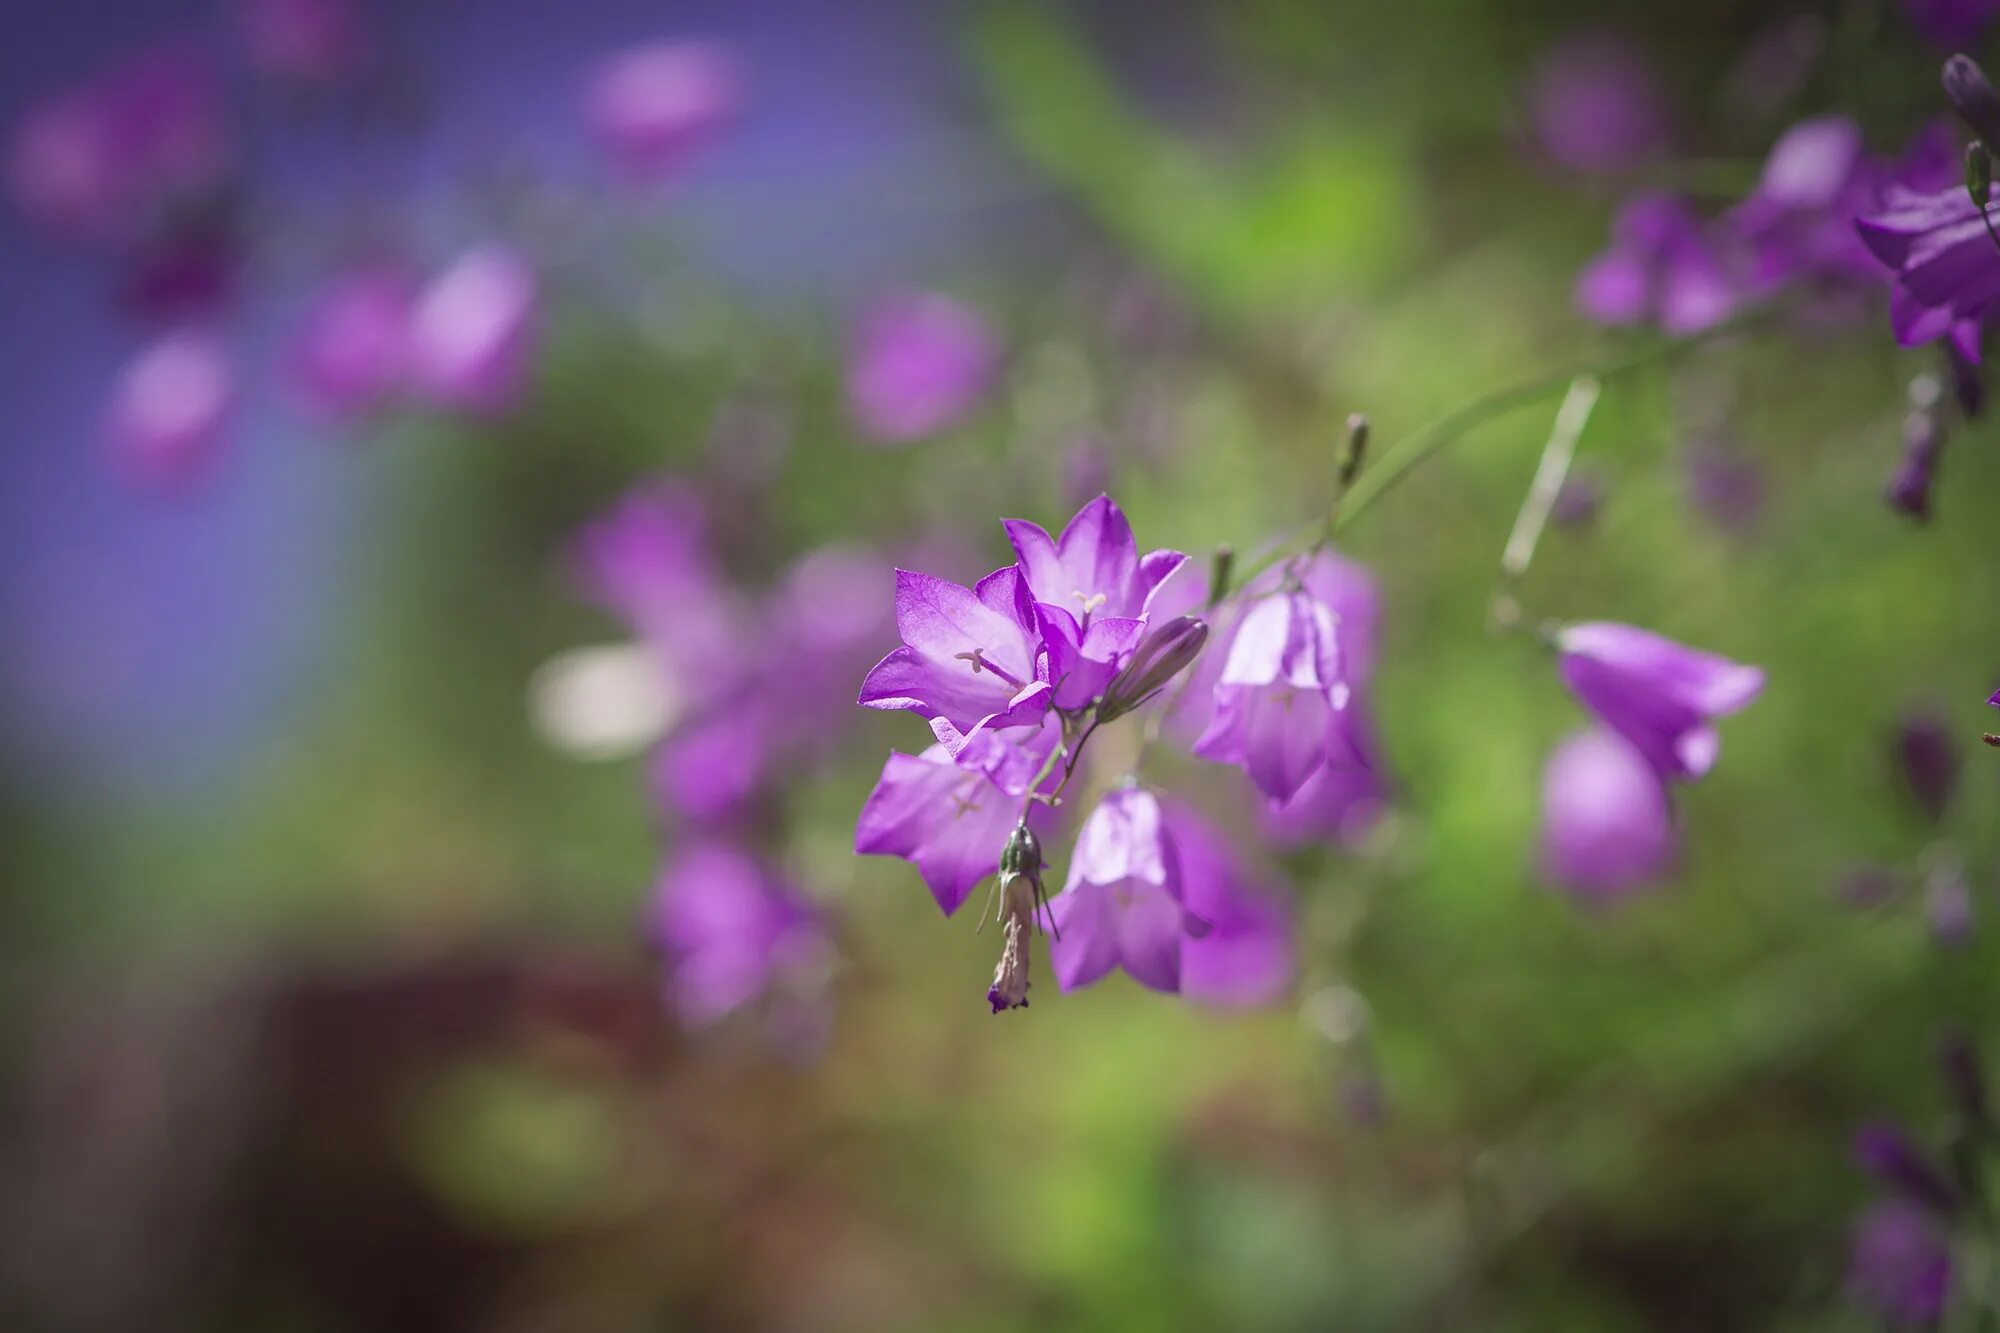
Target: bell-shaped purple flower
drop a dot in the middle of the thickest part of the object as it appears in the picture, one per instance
(918, 364)
(646, 560)
(473, 332)
(1607, 824)
(970, 657)
(1594, 106)
(654, 106)
(950, 817)
(1945, 266)
(1240, 951)
(729, 930)
(1800, 218)
(1899, 1264)
(1662, 266)
(352, 351)
(1280, 694)
(169, 410)
(1122, 904)
(1661, 696)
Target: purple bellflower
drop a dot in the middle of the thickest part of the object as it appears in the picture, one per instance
(1279, 698)
(1800, 218)
(1662, 265)
(1594, 106)
(1093, 589)
(472, 332)
(1245, 954)
(918, 364)
(352, 351)
(1946, 267)
(655, 106)
(169, 410)
(729, 931)
(1122, 904)
(971, 658)
(1607, 823)
(1899, 1264)
(949, 816)
(1661, 696)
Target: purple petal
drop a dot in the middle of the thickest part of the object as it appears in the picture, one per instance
(1607, 827)
(1084, 944)
(1615, 288)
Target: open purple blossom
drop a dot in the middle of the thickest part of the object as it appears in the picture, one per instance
(1278, 700)
(970, 657)
(1594, 105)
(1800, 218)
(1945, 266)
(473, 331)
(646, 560)
(1661, 696)
(169, 410)
(1094, 589)
(654, 106)
(1607, 822)
(949, 816)
(1662, 266)
(729, 930)
(1899, 1264)
(352, 350)
(1122, 904)
(1242, 952)
(917, 365)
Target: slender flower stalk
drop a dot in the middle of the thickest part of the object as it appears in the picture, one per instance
(1550, 474)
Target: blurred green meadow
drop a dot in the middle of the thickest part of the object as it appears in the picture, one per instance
(383, 1033)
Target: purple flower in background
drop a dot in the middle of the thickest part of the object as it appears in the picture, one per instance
(1945, 265)
(1899, 1264)
(1094, 589)
(1724, 485)
(1279, 698)
(1800, 218)
(1954, 24)
(1607, 824)
(1246, 955)
(653, 106)
(917, 365)
(1660, 695)
(711, 768)
(1885, 1152)
(1909, 488)
(1928, 760)
(1594, 105)
(303, 41)
(472, 331)
(970, 657)
(169, 408)
(951, 817)
(1578, 502)
(1661, 266)
(96, 160)
(1948, 904)
(188, 271)
(1122, 904)
(646, 560)
(352, 350)
(729, 930)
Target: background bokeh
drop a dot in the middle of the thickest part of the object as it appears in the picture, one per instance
(327, 999)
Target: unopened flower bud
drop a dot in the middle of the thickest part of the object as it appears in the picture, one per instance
(1909, 489)
(1021, 858)
(1020, 897)
(1161, 656)
(1972, 96)
(1357, 448)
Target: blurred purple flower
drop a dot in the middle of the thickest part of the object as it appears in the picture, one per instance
(1800, 218)
(951, 817)
(98, 160)
(1952, 24)
(1899, 1264)
(473, 331)
(1865, 887)
(169, 408)
(709, 769)
(1885, 1152)
(1122, 904)
(917, 365)
(971, 658)
(1280, 695)
(1595, 106)
(1946, 267)
(1245, 956)
(1948, 905)
(1607, 823)
(653, 106)
(1661, 265)
(1093, 588)
(1658, 694)
(1910, 485)
(729, 930)
(1725, 485)
(352, 350)
(1928, 759)
(1578, 502)
(303, 41)
(646, 560)
(187, 272)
